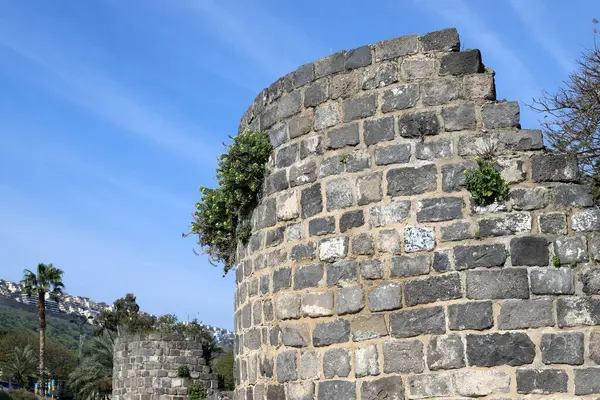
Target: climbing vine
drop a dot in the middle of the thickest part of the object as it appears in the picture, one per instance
(222, 214)
(485, 184)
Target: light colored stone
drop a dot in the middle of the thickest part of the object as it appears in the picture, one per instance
(389, 241)
(298, 391)
(327, 115)
(287, 305)
(391, 213)
(418, 238)
(417, 68)
(294, 232)
(287, 205)
(586, 221)
(366, 361)
(317, 304)
(333, 249)
(481, 383)
(310, 365)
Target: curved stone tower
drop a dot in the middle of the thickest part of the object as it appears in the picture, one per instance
(371, 275)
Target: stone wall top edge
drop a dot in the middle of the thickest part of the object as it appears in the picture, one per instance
(157, 337)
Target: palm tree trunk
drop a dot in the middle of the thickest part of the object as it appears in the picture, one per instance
(42, 312)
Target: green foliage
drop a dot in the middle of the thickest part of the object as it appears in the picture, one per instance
(556, 261)
(478, 235)
(92, 380)
(183, 371)
(573, 264)
(20, 365)
(223, 366)
(220, 212)
(196, 391)
(125, 317)
(485, 184)
(344, 159)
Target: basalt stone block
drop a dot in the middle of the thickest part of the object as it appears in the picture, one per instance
(571, 249)
(386, 296)
(275, 392)
(388, 388)
(400, 98)
(417, 67)
(327, 115)
(358, 160)
(331, 165)
(458, 118)
(303, 173)
(586, 221)
(590, 280)
(317, 304)
(379, 75)
(439, 209)
(496, 349)
(304, 251)
(464, 62)
(443, 40)
(378, 130)
(500, 115)
(351, 219)
(525, 314)
(336, 363)
(403, 357)
(453, 176)
(460, 230)
(359, 107)
(418, 124)
(287, 155)
(367, 327)
(328, 333)
(371, 269)
(554, 168)
(562, 348)
(392, 213)
(330, 65)
(405, 265)
(276, 182)
(339, 193)
(577, 311)
(410, 323)
(522, 140)
(274, 237)
(321, 226)
(362, 244)
(440, 91)
(311, 146)
(470, 316)
(287, 306)
(333, 249)
(301, 124)
(311, 201)
(303, 75)
(573, 195)
(530, 198)
(316, 93)
(289, 104)
(555, 223)
(441, 261)
(360, 57)
(587, 381)
(286, 366)
(445, 352)
(594, 347)
(411, 180)
(432, 289)
(282, 279)
(529, 250)
(347, 135)
(344, 85)
(310, 367)
(350, 299)
(267, 119)
(393, 48)
(336, 390)
(509, 283)
(542, 381)
(429, 385)
(395, 154)
(308, 276)
(341, 272)
(509, 224)
(467, 257)
(552, 281)
(369, 188)
(434, 150)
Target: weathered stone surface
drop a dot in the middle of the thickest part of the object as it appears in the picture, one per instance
(511, 170)
(311, 146)
(344, 85)
(555, 223)
(479, 383)
(443, 40)
(303, 75)
(389, 241)
(341, 272)
(331, 165)
(486, 255)
(573, 195)
(327, 115)
(304, 251)
(287, 306)
(379, 75)
(328, 333)
(360, 57)
(336, 390)
(400, 46)
(417, 67)
(346, 135)
(562, 348)
(509, 224)
(350, 299)
(432, 289)
(418, 239)
(368, 188)
(352, 219)
(403, 357)
(378, 130)
(276, 182)
(500, 115)
(336, 363)
(464, 62)
(521, 314)
(590, 280)
(480, 86)
(522, 140)
(575, 311)
(358, 160)
(296, 391)
(295, 335)
(330, 64)
(366, 361)
(308, 276)
(362, 244)
(594, 244)
(274, 237)
(287, 155)
(359, 107)
(500, 349)
(287, 206)
(458, 118)
(552, 281)
(410, 323)
(418, 124)
(333, 249)
(311, 201)
(395, 154)
(386, 296)
(470, 316)
(439, 209)
(529, 250)
(586, 221)
(268, 118)
(439, 91)
(587, 381)
(460, 230)
(286, 366)
(400, 98)
(571, 249)
(388, 388)
(433, 150)
(428, 385)
(368, 327)
(301, 124)
(371, 269)
(509, 283)
(542, 381)
(310, 365)
(445, 352)
(594, 347)
(321, 226)
(392, 213)
(413, 265)
(441, 261)
(453, 176)
(554, 168)
(282, 279)
(339, 193)
(316, 93)
(530, 198)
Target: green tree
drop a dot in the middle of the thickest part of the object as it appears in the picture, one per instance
(20, 365)
(223, 366)
(92, 380)
(125, 317)
(47, 281)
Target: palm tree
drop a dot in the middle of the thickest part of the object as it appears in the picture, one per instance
(48, 280)
(20, 365)
(92, 380)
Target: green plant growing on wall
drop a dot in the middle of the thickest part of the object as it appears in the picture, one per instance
(485, 184)
(196, 392)
(556, 261)
(183, 371)
(222, 215)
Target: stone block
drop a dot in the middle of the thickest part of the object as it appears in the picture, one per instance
(378, 130)
(422, 321)
(318, 304)
(358, 58)
(308, 276)
(295, 335)
(371, 269)
(529, 250)
(429, 385)
(431, 151)
(470, 316)
(418, 238)
(289, 104)
(562, 348)
(496, 349)
(418, 124)
(310, 365)
(330, 65)
(268, 310)
(304, 251)
(328, 333)
(333, 249)
(542, 381)
(343, 136)
(327, 115)
(336, 363)
(312, 146)
(508, 224)
(359, 107)
(594, 244)
(554, 168)
(379, 75)
(460, 117)
(287, 155)
(485, 255)
(522, 140)
(403, 357)
(368, 188)
(336, 390)
(282, 279)
(443, 40)
(392, 213)
(445, 352)
(586, 221)
(410, 265)
(417, 67)
(358, 160)
(501, 115)
(587, 381)
(389, 241)
(274, 237)
(362, 244)
(287, 206)
(350, 299)
(571, 249)
(400, 98)
(269, 118)
(555, 223)
(573, 195)
(277, 182)
(352, 219)
(432, 289)
(439, 91)
(590, 280)
(552, 281)
(366, 361)
(296, 391)
(303, 75)
(301, 124)
(339, 193)
(594, 347)
(386, 296)
(388, 388)
(287, 306)
(367, 327)
(460, 230)
(316, 93)
(509, 283)
(480, 86)
(393, 48)
(321, 226)
(341, 272)
(303, 173)
(331, 165)
(441, 261)
(460, 63)
(480, 383)
(395, 154)
(525, 314)
(577, 311)
(439, 209)
(530, 198)
(453, 176)
(344, 85)
(286, 366)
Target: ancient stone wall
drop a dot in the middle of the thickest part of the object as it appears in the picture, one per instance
(146, 367)
(370, 273)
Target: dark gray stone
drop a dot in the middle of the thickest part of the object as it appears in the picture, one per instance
(290, 104)
(269, 118)
(379, 75)
(529, 250)
(423, 321)
(587, 381)
(577, 311)
(378, 130)
(410, 265)
(403, 357)
(341, 271)
(590, 280)
(554, 168)
(486, 255)
(267, 214)
(268, 310)
(369, 188)
(594, 347)
(336, 390)
(388, 388)
(277, 182)
(594, 244)
(509, 283)
(286, 366)
(434, 150)
(432, 289)
(551, 281)
(586, 221)
(331, 165)
(555, 223)
(350, 299)
(571, 249)
(439, 209)
(282, 279)
(358, 160)
(316, 93)
(304, 251)
(301, 124)
(336, 363)
(362, 244)
(524, 314)
(339, 193)
(343, 136)
(275, 392)
(264, 283)
(266, 366)
(530, 198)
(330, 65)
(418, 124)
(562, 348)
(287, 155)
(439, 91)
(371, 269)
(460, 230)
(460, 117)
(522, 140)
(445, 352)
(441, 261)
(443, 40)
(386, 296)
(470, 316)
(303, 173)
(508, 224)
(327, 115)
(396, 47)
(400, 98)
(308, 276)
(321, 226)
(453, 176)
(573, 195)
(358, 58)
(311, 201)
(395, 154)
(411, 180)
(500, 349)
(464, 62)
(274, 237)
(328, 333)
(303, 75)
(359, 107)
(351, 219)
(542, 381)
(500, 115)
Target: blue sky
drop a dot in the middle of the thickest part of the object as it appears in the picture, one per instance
(112, 113)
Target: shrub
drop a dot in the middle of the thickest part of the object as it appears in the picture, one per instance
(485, 184)
(21, 394)
(196, 392)
(224, 367)
(221, 216)
(183, 371)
